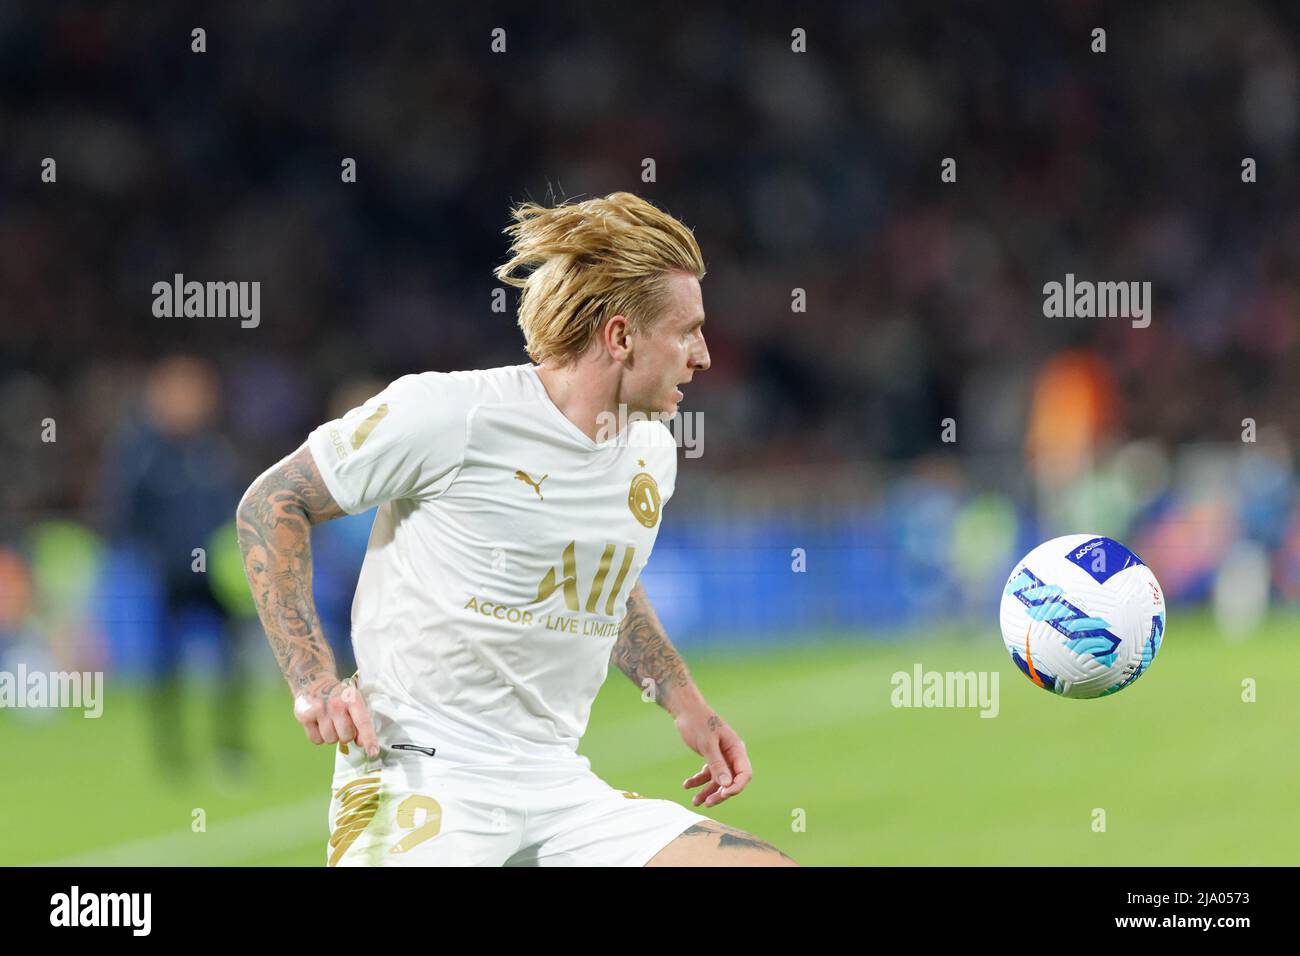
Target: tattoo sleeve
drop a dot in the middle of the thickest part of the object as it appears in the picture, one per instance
(274, 519)
(643, 651)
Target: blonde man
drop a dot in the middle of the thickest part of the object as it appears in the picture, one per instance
(502, 572)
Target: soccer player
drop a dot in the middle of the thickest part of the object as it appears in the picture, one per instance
(502, 572)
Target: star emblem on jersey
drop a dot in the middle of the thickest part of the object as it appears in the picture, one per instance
(643, 499)
(535, 485)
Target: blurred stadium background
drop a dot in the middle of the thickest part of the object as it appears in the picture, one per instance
(823, 429)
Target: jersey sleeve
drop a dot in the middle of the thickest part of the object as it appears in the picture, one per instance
(408, 441)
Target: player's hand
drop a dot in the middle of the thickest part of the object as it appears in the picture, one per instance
(726, 769)
(333, 711)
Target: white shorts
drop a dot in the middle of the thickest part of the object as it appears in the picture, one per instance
(407, 808)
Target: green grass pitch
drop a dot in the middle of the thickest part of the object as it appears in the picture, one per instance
(1186, 772)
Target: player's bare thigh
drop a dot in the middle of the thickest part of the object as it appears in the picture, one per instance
(716, 844)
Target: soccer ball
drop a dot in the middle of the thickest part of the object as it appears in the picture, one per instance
(1082, 616)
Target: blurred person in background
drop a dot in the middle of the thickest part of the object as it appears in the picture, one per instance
(171, 475)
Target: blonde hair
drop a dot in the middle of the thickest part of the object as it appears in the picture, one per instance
(590, 261)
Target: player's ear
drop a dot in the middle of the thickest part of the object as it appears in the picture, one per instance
(618, 338)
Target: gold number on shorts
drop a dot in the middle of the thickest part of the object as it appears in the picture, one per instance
(429, 829)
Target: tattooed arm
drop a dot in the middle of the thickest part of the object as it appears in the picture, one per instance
(274, 519)
(643, 651)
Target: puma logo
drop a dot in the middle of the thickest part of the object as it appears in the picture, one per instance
(535, 485)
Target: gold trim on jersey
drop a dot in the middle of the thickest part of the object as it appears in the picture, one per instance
(365, 428)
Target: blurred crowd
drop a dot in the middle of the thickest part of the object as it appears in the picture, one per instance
(817, 171)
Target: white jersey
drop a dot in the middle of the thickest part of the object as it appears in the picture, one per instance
(502, 554)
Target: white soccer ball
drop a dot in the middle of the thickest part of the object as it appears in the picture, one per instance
(1082, 616)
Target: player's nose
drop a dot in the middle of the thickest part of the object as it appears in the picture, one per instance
(700, 360)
